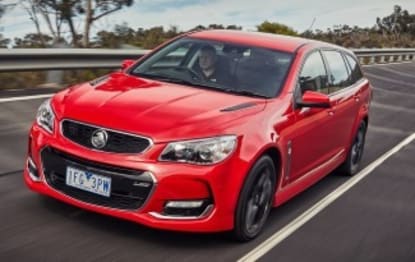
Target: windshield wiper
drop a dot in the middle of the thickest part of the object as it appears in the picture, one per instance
(245, 93)
(166, 78)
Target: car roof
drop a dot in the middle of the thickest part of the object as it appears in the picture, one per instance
(265, 40)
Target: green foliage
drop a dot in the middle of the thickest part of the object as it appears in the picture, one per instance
(4, 42)
(276, 28)
(33, 41)
(216, 26)
(17, 80)
(145, 38)
(71, 77)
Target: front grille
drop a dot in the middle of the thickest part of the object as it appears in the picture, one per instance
(117, 142)
(125, 192)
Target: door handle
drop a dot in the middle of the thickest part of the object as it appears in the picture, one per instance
(331, 112)
(356, 98)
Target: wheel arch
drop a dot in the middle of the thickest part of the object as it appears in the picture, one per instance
(274, 153)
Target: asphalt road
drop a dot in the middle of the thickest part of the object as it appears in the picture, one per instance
(374, 221)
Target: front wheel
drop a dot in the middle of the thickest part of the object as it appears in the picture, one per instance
(255, 200)
(351, 165)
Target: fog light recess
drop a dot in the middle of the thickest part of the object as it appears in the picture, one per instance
(32, 170)
(185, 209)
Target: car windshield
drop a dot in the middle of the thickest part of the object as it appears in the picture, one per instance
(221, 66)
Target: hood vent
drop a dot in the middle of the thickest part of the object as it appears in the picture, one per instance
(238, 107)
(98, 80)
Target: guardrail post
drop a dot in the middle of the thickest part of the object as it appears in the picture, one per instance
(399, 58)
(372, 60)
(362, 60)
(413, 57)
(382, 59)
(391, 59)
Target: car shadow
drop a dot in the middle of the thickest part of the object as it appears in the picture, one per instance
(127, 229)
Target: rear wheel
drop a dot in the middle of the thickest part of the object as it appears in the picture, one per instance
(255, 200)
(351, 165)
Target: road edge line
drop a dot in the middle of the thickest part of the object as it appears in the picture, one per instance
(22, 98)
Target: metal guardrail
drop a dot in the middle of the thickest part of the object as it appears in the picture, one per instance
(385, 55)
(60, 59)
(57, 59)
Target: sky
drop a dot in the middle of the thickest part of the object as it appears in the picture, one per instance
(186, 14)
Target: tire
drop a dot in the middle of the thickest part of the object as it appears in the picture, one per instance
(354, 156)
(255, 200)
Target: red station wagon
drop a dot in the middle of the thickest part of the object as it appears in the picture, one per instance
(206, 133)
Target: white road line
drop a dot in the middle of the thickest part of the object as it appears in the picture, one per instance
(289, 229)
(22, 98)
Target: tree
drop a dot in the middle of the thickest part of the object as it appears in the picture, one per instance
(4, 42)
(3, 8)
(400, 21)
(58, 13)
(95, 10)
(216, 26)
(49, 12)
(276, 28)
(122, 34)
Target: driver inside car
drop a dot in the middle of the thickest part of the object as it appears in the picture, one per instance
(211, 68)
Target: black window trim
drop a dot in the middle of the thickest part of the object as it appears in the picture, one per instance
(344, 89)
(345, 54)
(297, 80)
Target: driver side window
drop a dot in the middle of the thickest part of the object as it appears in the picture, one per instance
(313, 75)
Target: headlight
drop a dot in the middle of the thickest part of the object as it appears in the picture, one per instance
(202, 151)
(45, 116)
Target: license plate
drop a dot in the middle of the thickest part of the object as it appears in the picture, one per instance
(88, 181)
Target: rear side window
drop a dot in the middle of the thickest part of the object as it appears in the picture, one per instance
(356, 73)
(313, 75)
(339, 75)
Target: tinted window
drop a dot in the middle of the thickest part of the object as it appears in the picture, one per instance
(354, 68)
(339, 77)
(260, 70)
(313, 74)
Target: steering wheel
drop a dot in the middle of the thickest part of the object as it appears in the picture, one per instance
(194, 74)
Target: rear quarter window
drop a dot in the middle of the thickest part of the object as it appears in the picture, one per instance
(356, 73)
(339, 77)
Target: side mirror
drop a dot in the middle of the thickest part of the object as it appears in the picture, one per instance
(314, 99)
(126, 64)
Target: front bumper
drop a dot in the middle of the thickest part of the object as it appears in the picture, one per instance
(219, 183)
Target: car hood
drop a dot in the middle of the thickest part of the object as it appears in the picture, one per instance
(159, 110)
